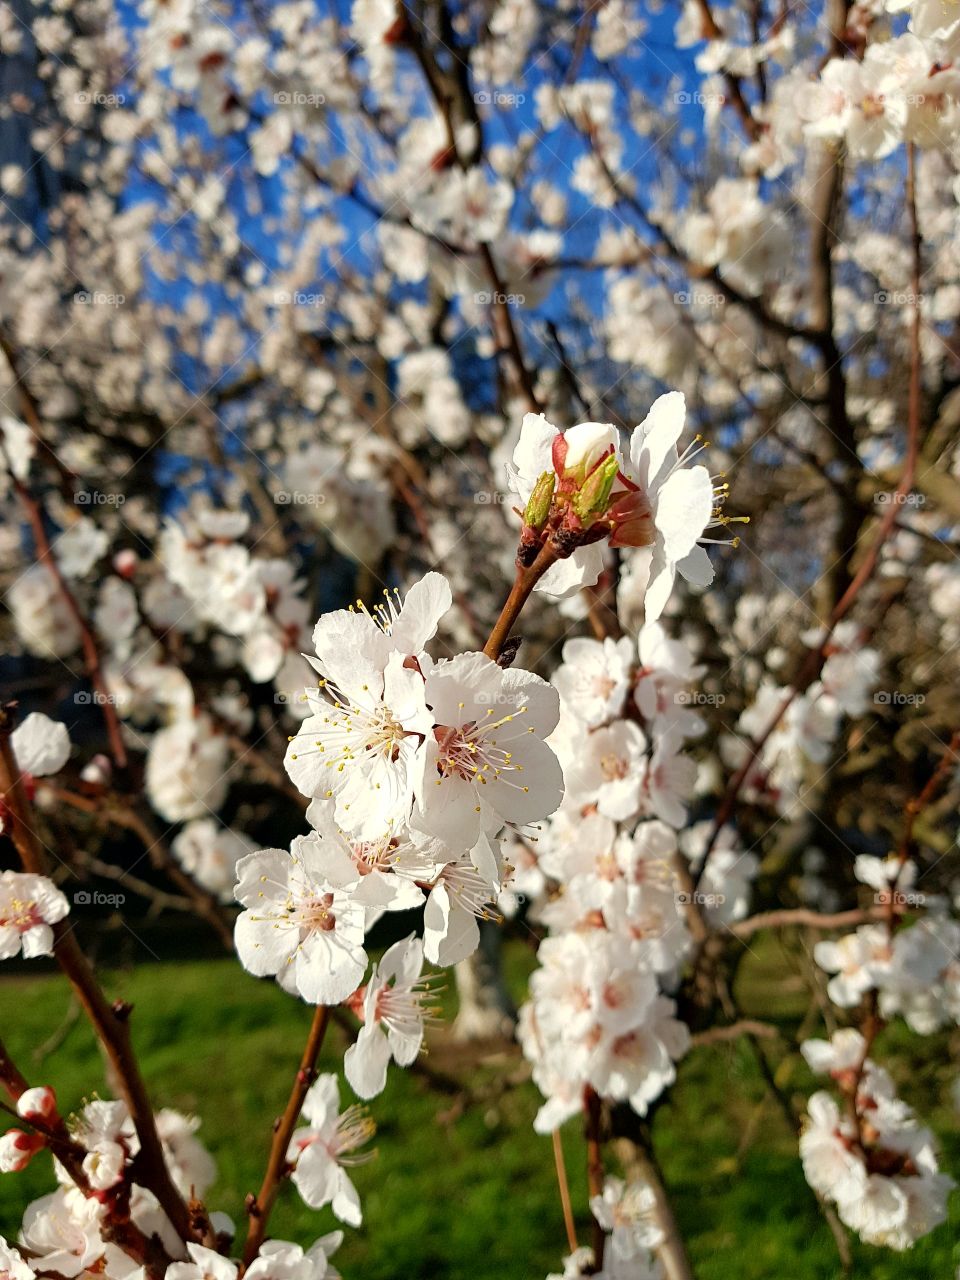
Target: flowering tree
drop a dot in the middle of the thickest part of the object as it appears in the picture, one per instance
(293, 296)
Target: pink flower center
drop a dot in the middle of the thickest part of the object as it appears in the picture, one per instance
(21, 916)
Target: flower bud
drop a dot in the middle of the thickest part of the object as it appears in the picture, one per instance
(580, 449)
(98, 771)
(39, 1103)
(537, 511)
(17, 1149)
(125, 563)
(592, 497)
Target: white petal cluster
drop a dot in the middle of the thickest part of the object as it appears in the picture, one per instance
(915, 971)
(65, 1232)
(12, 1264)
(739, 233)
(210, 853)
(346, 496)
(414, 768)
(187, 774)
(599, 1013)
(44, 623)
(626, 711)
(41, 746)
(29, 905)
(900, 91)
(275, 1260)
(321, 1151)
(223, 585)
(872, 1159)
(809, 728)
(422, 763)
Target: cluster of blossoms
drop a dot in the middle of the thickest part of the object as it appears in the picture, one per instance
(613, 890)
(914, 968)
(68, 1232)
(627, 1214)
(414, 766)
(901, 87)
(66, 1229)
(811, 724)
(71, 1231)
(213, 581)
(419, 771)
(584, 490)
(872, 1159)
(904, 89)
(607, 867)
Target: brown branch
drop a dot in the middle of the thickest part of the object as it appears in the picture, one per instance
(593, 1117)
(31, 415)
(122, 813)
(744, 1027)
(711, 31)
(110, 871)
(508, 340)
(824, 209)
(641, 1164)
(91, 651)
(260, 1206)
(526, 579)
(116, 1226)
(206, 904)
(110, 1021)
(802, 917)
(916, 806)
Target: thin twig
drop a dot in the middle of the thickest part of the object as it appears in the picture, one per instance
(260, 1206)
(564, 1186)
(91, 651)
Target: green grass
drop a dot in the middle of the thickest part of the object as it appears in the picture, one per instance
(468, 1192)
